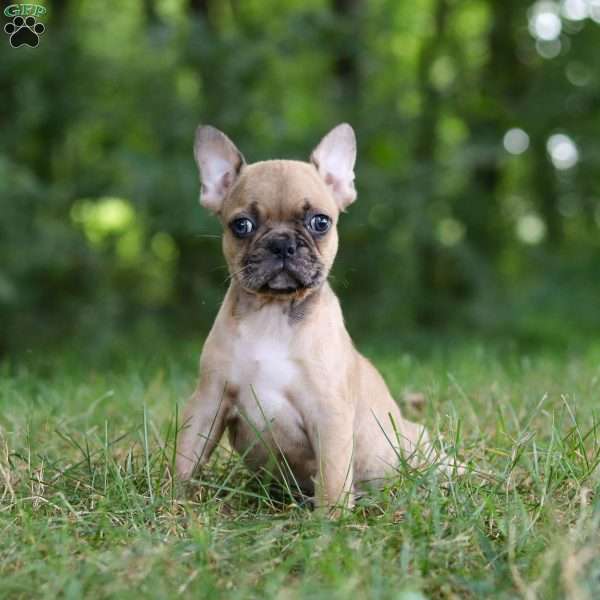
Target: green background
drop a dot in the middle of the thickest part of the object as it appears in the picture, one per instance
(101, 234)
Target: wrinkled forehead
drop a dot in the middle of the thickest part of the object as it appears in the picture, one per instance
(280, 188)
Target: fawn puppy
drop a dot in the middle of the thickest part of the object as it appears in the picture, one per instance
(278, 370)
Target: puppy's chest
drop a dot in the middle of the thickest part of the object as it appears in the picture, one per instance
(262, 366)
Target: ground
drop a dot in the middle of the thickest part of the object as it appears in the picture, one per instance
(88, 509)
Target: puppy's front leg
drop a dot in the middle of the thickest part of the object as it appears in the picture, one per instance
(332, 438)
(203, 424)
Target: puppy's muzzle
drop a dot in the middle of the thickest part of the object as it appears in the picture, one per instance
(281, 263)
(283, 248)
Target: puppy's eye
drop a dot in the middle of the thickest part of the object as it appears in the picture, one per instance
(242, 227)
(320, 223)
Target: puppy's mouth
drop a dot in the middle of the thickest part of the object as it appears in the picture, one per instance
(283, 279)
(282, 282)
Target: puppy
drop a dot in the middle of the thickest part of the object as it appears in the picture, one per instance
(278, 370)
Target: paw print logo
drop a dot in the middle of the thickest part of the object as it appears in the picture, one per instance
(24, 32)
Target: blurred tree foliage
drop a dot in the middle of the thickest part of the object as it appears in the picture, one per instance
(478, 129)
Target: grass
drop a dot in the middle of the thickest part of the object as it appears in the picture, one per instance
(88, 509)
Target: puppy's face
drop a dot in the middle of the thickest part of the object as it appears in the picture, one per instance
(279, 217)
(280, 232)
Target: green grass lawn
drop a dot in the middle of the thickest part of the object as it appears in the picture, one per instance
(88, 509)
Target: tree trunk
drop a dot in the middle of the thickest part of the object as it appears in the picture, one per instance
(503, 81)
(344, 41)
(544, 187)
(425, 156)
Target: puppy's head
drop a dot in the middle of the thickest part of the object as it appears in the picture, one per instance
(279, 216)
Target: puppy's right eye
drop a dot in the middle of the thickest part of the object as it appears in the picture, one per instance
(242, 227)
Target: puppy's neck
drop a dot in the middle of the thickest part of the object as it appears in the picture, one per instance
(297, 308)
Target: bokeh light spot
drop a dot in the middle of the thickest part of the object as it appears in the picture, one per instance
(450, 231)
(516, 141)
(574, 10)
(443, 73)
(531, 229)
(578, 74)
(562, 151)
(103, 217)
(114, 214)
(544, 21)
(548, 49)
(164, 247)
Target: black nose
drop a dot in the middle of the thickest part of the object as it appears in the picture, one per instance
(282, 247)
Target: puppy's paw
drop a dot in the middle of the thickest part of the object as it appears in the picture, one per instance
(184, 468)
(335, 510)
(333, 513)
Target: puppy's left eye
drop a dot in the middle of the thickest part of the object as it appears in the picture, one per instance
(320, 223)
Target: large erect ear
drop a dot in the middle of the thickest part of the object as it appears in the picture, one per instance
(219, 162)
(334, 158)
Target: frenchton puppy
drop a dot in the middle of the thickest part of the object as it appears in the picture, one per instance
(278, 370)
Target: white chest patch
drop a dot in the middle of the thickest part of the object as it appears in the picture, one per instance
(262, 365)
